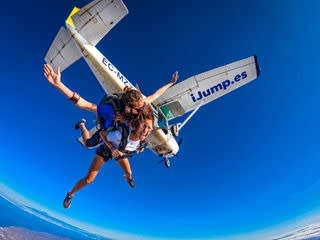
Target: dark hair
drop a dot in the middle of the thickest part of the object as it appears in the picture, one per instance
(131, 96)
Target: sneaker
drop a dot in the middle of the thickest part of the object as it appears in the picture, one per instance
(67, 200)
(77, 126)
(130, 181)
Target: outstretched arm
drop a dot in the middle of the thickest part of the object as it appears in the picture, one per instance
(161, 90)
(54, 78)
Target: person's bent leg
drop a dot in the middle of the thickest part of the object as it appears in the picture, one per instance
(93, 171)
(89, 141)
(94, 140)
(84, 131)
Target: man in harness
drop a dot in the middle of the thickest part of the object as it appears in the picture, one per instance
(108, 110)
(129, 103)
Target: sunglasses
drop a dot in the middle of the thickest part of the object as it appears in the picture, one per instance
(137, 109)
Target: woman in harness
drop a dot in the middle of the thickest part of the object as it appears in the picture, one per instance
(128, 104)
(119, 144)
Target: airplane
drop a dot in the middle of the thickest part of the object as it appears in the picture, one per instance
(85, 27)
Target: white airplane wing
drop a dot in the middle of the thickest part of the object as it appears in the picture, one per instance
(97, 18)
(206, 87)
(93, 22)
(63, 51)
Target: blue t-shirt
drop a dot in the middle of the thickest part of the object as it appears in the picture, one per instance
(107, 113)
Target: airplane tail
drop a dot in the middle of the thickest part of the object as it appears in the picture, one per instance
(92, 22)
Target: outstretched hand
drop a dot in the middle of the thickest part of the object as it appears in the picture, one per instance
(175, 77)
(53, 77)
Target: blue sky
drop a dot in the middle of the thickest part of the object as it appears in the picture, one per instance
(249, 160)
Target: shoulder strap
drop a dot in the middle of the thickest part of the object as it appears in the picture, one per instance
(124, 136)
(143, 144)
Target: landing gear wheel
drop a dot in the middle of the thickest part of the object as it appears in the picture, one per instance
(174, 130)
(167, 163)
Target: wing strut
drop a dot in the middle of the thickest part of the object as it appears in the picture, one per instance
(181, 125)
(175, 129)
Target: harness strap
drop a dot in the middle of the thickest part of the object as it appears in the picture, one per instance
(124, 136)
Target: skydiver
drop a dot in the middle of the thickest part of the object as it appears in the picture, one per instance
(119, 144)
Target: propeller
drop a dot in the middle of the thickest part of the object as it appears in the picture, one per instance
(166, 162)
(162, 160)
